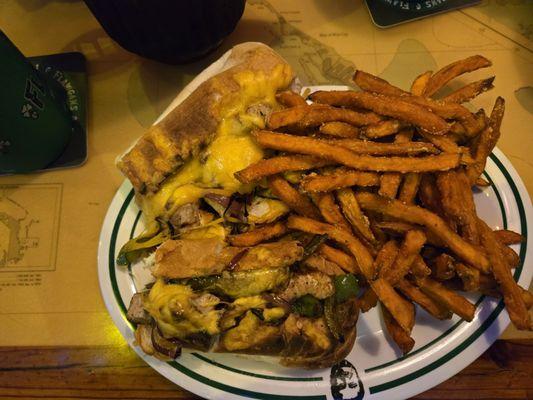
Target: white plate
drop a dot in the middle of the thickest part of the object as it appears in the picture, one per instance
(374, 369)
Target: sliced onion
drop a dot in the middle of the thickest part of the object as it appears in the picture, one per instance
(236, 258)
(277, 301)
(165, 346)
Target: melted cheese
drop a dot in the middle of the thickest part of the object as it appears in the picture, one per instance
(172, 308)
(249, 333)
(264, 210)
(210, 231)
(316, 331)
(232, 149)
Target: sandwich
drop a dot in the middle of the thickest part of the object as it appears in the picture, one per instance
(211, 292)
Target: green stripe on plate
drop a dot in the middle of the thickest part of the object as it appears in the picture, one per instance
(238, 371)
(521, 213)
(437, 339)
(112, 243)
(134, 226)
(458, 323)
(240, 392)
(490, 319)
(435, 364)
(499, 198)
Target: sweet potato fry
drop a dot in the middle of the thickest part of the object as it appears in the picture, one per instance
(317, 114)
(396, 228)
(290, 99)
(419, 267)
(290, 196)
(354, 215)
(390, 106)
(442, 142)
(527, 297)
(486, 284)
(390, 181)
(389, 184)
(413, 293)
(381, 129)
(447, 144)
(447, 111)
(339, 129)
(458, 202)
(409, 188)
(432, 222)
(367, 301)
(482, 182)
(395, 331)
(469, 276)
(330, 210)
(276, 165)
(511, 258)
(429, 195)
(399, 228)
(385, 149)
(315, 147)
(470, 91)
(447, 297)
(507, 237)
(401, 309)
(258, 235)
(320, 263)
(458, 130)
(372, 83)
(486, 141)
(337, 179)
(339, 257)
(385, 257)
(419, 84)
(381, 237)
(359, 251)
(511, 291)
(404, 136)
(453, 70)
(443, 267)
(409, 249)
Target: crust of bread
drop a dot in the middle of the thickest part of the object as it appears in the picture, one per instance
(192, 123)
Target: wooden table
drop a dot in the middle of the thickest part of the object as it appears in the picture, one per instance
(98, 372)
(57, 341)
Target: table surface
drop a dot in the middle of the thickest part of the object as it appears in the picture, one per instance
(109, 372)
(78, 352)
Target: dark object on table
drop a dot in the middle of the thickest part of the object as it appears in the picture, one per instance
(171, 31)
(36, 122)
(70, 71)
(387, 13)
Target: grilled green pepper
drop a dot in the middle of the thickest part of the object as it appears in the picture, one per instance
(313, 245)
(346, 286)
(307, 306)
(242, 283)
(134, 248)
(330, 315)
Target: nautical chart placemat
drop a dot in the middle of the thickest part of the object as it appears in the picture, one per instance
(50, 222)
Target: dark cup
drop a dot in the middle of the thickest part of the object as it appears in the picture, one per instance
(170, 31)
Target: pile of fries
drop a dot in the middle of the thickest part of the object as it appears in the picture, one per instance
(387, 176)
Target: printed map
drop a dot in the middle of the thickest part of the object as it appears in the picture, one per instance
(28, 230)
